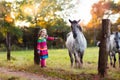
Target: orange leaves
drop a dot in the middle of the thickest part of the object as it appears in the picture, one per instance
(8, 18)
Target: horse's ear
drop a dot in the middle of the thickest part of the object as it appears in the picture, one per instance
(78, 20)
(70, 21)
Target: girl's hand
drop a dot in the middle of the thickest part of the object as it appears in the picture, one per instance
(56, 38)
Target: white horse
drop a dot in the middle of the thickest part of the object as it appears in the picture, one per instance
(114, 47)
(76, 43)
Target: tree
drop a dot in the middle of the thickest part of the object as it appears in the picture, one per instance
(115, 8)
(59, 29)
(7, 27)
(99, 11)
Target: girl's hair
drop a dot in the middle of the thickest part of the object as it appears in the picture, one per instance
(42, 30)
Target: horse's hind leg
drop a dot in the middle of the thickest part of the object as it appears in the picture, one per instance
(119, 59)
(110, 55)
(71, 58)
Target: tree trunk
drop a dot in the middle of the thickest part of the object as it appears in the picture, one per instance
(104, 48)
(36, 55)
(8, 45)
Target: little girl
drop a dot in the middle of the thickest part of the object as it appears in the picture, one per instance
(42, 46)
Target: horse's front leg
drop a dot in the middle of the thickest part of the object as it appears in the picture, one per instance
(80, 59)
(77, 60)
(114, 60)
(71, 58)
(81, 56)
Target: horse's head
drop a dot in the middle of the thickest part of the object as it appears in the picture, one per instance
(117, 41)
(75, 26)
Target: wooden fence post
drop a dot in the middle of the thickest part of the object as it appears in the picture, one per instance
(36, 56)
(104, 48)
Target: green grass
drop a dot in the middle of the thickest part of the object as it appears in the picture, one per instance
(58, 64)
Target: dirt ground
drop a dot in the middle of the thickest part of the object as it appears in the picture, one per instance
(26, 75)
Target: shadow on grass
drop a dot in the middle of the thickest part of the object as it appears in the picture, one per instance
(63, 74)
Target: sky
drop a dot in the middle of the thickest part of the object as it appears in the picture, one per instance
(82, 10)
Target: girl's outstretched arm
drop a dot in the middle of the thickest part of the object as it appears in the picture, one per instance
(50, 38)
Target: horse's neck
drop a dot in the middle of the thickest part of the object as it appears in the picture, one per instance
(79, 36)
(80, 41)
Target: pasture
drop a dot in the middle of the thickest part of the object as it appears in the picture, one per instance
(58, 64)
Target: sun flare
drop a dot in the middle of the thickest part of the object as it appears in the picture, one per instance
(82, 10)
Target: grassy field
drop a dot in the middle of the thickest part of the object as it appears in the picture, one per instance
(58, 64)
